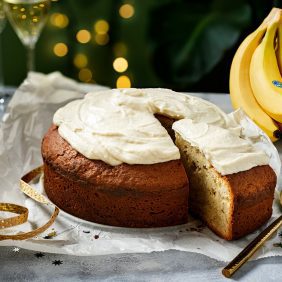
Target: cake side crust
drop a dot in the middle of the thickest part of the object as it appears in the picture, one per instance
(124, 208)
(67, 161)
(253, 194)
(125, 195)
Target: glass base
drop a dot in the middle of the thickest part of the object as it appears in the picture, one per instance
(5, 97)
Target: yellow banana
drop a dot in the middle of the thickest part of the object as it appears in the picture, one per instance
(279, 47)
(265, 77)
(241, 93)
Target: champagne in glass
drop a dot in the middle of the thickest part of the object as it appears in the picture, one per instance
(2, 16)
(28, 17)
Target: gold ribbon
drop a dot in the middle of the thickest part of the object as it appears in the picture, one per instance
(23, 212)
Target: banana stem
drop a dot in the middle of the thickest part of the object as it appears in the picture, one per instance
(278, 133)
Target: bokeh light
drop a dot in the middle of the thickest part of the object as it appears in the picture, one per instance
(85, 75)
(60, 49)
(83, 36)
(102, 39)
(59, 20)
(123, 82)
(126, 11)
(120, 49)
(35, 19)
(80, 60)
(120, 64)
(101, 27)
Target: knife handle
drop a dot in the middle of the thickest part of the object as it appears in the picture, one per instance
(244, 256)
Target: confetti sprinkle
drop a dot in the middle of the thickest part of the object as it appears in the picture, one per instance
(57, 262)
(277, 245)
(86, 231)
(39, 255)
(50, 235)
(16, 250)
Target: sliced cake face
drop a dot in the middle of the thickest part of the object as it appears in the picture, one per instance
(209, 196)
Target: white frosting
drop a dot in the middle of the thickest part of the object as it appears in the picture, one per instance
(226, 151)
(118, 126)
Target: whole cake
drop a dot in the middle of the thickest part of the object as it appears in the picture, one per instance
(110, 158)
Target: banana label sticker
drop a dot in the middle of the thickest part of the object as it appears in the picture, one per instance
(277, 83)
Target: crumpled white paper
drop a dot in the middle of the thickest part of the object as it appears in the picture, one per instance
(28, 117)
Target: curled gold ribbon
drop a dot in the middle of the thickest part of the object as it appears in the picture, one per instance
(23, 212)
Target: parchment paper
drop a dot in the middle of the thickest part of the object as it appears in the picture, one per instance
(28, 117)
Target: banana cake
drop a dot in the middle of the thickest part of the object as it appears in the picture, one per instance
(110, 158)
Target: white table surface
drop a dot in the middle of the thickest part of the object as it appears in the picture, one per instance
(25, 265)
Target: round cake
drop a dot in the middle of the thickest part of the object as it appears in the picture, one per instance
(110, 158)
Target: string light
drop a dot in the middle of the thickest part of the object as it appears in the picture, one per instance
(123, 82)
(126, 11)
(101, 27)
(120, 49)
(83, 36)
(120, 64)
(85, 75)
(35, 19)
(60, 49)
(80, 61)
(59, 20)
(102, 39)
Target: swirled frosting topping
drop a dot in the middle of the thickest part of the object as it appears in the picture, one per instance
(226, 151)
(118, 126)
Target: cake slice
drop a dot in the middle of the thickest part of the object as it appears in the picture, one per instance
(234, 204)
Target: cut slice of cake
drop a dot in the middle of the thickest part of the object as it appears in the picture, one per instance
(231, 203)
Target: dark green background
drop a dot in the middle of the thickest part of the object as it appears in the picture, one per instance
(184, 45)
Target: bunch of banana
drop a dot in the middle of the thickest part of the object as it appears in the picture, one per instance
(255, 76)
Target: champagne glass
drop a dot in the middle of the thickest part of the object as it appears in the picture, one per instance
(28, 18)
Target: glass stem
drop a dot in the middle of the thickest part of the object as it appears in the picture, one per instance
(1, 69)
(30, 58)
